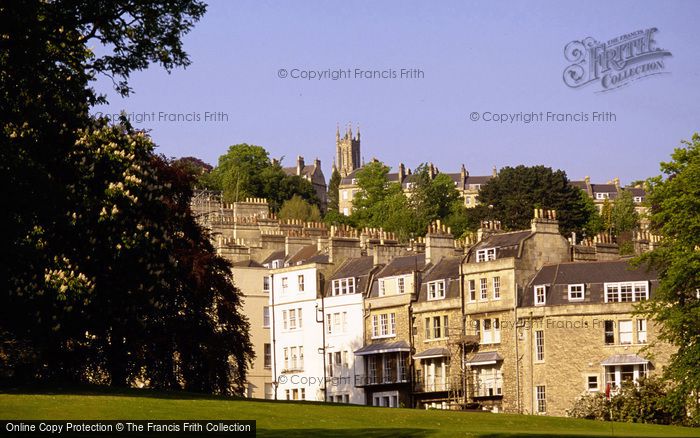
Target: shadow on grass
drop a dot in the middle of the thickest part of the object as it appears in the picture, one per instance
(406, 432)
(90, 390)
(350, 433)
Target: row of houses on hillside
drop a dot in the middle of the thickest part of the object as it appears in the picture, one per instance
(513, 321)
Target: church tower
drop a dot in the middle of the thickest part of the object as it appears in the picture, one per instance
(347, 150)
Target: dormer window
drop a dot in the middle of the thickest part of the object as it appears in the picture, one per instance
(343, 286)
(436, 290)
(602, 195)
(576, 292)
(484, 255)
(638, 199)
(540, 295)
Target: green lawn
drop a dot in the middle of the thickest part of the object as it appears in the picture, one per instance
(307, 419)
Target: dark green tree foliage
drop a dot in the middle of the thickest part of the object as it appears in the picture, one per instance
(246, 171)
(333, 191)
(192, 166)
(675, 215)
(101, 255)
(517, 191)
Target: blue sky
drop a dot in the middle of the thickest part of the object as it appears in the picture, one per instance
(500, 57)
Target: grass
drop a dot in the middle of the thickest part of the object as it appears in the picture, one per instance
(307, 419)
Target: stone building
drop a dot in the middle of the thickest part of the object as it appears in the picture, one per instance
(610, 192)
(314, 175)
(494, 271)
(577, 333)
(383, 365)
(253, 281)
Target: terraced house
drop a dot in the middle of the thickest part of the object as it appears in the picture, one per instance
(494, 271)
(579, 334)
(343, 309)
(384, 367)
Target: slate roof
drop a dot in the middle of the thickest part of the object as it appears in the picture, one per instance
(277, 255)
(306, 170)
(358, 268)
(506, 244)
(445, 269)
(403, 265)
(383, 347)
(247, 264)
(485, 358)
(306, 254)
(624, 359)
(592, 275)
(433, 352)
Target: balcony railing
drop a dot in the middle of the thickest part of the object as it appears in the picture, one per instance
(489, 388)
(430, 386)
(387, 377)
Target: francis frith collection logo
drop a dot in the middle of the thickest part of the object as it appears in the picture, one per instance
(615, 63)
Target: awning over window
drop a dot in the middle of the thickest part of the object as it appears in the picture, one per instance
(383, 347)
(433, 353)
(624, 359)
(485, 358)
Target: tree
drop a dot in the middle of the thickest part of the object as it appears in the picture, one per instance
(675, 215)
(192, 166)
(100, 253)
(246, 171)
(517, 191)
(623, 215)
(333, 191)
(368, 207)
(297, 208)
(239, 172)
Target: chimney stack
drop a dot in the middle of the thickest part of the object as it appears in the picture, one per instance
(300, 165)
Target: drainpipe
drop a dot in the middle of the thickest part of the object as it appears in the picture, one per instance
(323, 348)
(274, 329)
(517, 354)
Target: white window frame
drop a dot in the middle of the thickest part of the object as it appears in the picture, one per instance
(625, 337)
(483, 289)
(543, 290)
(572, 290)
(266, 316)
(539, 346)
(401, 285)
(436, 290)
(637, 199)
(642, 328)
(384, 325)
(496, 284)
(343, 286)
(613, 291)
(602, 195)
(485, 255)
(267, 281)
(588, 383)
(382, 287)
(472, 290)
(541, 399)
